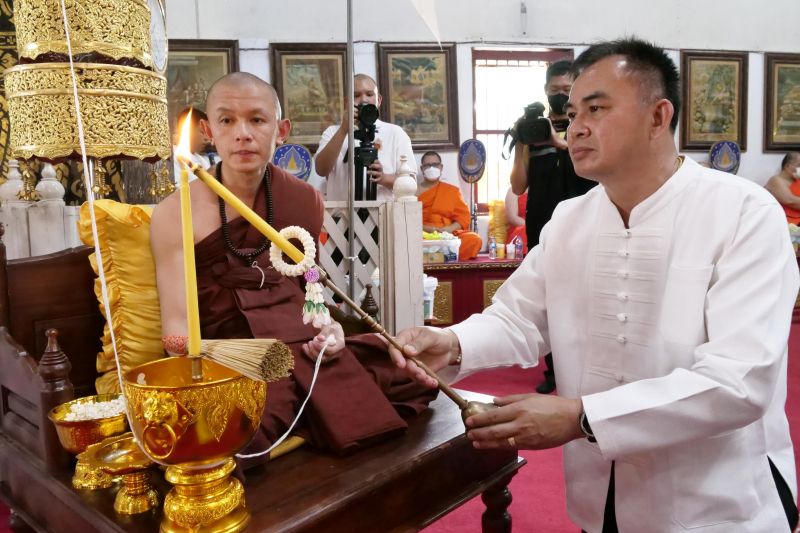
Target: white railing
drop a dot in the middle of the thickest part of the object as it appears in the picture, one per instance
(395, 250)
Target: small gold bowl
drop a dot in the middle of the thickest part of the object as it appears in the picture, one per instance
(77, 435)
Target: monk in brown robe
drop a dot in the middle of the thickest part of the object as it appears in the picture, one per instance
(358, 398)
(443, 208)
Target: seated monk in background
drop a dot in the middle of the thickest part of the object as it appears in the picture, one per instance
(443, 208)
(359, 398)
(785, 187)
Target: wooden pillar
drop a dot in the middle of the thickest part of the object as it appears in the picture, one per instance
(401, 280)
(5, 316)
(46, 227)
(56, 389)
(14, 216)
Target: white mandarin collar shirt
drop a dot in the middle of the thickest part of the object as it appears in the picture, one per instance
(674, 333)
(392, 142)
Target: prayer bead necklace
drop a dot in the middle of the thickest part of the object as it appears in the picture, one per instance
(248, 258)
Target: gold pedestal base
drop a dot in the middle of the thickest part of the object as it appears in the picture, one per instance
(204, 500)
(137, 496)
(88, 478)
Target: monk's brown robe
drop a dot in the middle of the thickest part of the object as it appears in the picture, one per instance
(358, 399)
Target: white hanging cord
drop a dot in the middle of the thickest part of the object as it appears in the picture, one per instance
(330, 341)
(87, 186)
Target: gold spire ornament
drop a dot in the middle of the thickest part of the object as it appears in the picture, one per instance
(167, 185)
(100, 188)
(28, 192)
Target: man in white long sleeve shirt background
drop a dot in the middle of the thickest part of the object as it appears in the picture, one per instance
(666, 294)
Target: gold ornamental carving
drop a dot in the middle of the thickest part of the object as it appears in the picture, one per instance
(490, 287)
(183, 407)
(443, 303)
(124, 111)
(115, 28)
(221, 496)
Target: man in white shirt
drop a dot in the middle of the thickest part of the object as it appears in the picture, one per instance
(666, 294)
(390, 140)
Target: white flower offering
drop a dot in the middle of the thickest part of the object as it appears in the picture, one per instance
(95, 410)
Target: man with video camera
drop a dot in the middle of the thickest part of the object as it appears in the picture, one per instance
(543, 166)
(390, 142)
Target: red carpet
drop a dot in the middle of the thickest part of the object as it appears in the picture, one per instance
(538, 489)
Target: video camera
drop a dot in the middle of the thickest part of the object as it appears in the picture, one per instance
(533, 128)
(366, 153)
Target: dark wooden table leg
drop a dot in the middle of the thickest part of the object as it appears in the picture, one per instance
(497, 498)
(17, 524)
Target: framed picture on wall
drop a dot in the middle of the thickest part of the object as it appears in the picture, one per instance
(782, 102)
(714, 99)
(420, 92)
(193, 66)
(309, 79)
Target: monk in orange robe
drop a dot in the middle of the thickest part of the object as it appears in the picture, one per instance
(785, 187)
(443, 208)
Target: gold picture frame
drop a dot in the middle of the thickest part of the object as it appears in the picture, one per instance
(193, 67)
(309, 80)
(419, 85)
(714, 99)
(782, 102)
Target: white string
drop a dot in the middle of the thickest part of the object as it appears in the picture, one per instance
(330, 341)
(87, 186)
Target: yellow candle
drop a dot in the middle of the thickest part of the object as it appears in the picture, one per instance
(259, 223)
(192, 307)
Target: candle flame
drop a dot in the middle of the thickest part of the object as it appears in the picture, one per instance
(184, 149)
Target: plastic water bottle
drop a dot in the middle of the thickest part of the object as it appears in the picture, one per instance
(518, 253)
(492, 248)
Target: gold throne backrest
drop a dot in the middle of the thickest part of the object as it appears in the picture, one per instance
(130, 271)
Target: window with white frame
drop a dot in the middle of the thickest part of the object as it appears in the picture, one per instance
(505, 82)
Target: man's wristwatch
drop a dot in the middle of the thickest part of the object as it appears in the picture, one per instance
(586, 428)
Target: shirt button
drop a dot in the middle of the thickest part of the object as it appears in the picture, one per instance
(623, 253)
(623, 274)
(625, 234)
(622, 317)
(619, 377)
(622, 339)
(622, 296)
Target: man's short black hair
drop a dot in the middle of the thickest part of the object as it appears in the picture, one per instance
(426, 154)
(656, 70)
(558, 68)
(791, 158)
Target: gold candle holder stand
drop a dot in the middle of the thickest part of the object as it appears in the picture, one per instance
(121, 456)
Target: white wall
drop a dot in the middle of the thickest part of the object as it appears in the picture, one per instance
(675, 24)
(737, 25)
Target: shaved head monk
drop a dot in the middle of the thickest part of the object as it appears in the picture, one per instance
(443, 208)
(242, 296)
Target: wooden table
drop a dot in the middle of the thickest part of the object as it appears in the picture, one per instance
(399, 486)
(467, 287)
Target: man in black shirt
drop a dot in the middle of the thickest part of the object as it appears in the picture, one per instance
(546, 171)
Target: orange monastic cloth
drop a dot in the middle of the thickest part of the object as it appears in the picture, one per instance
(792, 215)
(441, 206)
(519, 231)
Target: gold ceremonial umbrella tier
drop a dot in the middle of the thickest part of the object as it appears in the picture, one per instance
(124, 111)
(115, 28)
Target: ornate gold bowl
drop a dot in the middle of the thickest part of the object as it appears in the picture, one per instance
(124, 111)
(196, 429)
(115, 28)
(77, 435)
